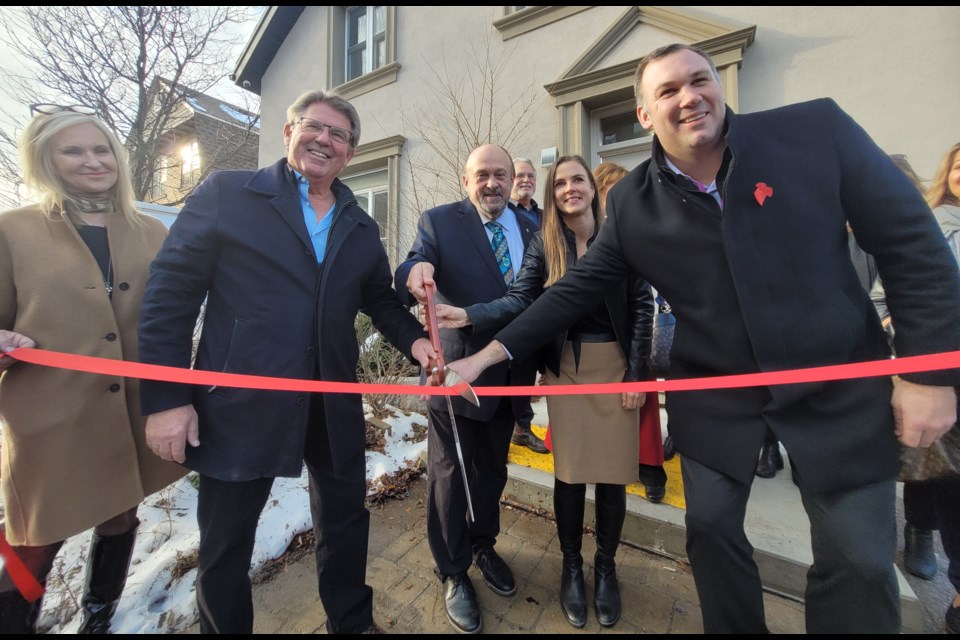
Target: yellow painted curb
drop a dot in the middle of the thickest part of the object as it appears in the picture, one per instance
(544, 462)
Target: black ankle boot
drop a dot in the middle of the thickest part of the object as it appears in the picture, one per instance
(568, 504)
(107, 566)
(611, 510)
(918, 556)
(771, 460)
(17, 616)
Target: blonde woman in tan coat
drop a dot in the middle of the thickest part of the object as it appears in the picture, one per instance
(72, 274)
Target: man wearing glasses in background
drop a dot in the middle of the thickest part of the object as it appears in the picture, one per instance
(286, 259)
(521, 200)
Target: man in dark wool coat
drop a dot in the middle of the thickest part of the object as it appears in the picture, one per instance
(285, 258)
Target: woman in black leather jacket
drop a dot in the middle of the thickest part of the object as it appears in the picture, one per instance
(595, 437)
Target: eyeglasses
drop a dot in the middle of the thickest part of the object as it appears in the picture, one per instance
(315, 128)
(49, 109)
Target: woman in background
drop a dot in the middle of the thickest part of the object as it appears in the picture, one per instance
(72, 274)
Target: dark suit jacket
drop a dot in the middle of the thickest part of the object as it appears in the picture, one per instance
(769, 286)
(240, 241)
(453, 240)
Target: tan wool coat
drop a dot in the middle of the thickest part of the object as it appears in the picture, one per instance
(74, 453)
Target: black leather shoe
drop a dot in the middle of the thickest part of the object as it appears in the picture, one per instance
(496, 573)
(573, 594)
(606, 596)
(770, 461)
(655, 494)
(918, 556)
(460, 601)
(525, 437)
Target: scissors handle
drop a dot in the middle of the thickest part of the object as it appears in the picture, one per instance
(431, 312)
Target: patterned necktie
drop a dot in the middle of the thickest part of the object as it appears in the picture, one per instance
(501, 252)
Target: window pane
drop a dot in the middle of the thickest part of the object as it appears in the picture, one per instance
(379, 20)
(362, 201)
(380, 51)
(380, 211)
(355, 63)
(620, 128)
(356, 26)
(190, 157)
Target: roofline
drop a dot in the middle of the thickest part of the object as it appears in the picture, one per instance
(202, 114)
(269, 35)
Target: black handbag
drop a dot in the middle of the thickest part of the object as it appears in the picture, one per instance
(663, 325)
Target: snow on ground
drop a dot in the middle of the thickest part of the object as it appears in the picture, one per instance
(159, 596)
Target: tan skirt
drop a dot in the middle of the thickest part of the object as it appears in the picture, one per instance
(594, 438)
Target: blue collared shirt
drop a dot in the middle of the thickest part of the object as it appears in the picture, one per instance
(317, 230)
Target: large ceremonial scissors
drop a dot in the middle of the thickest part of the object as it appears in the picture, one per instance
(449, 378)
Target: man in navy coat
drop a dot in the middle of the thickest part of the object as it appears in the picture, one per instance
(454, 248)
(741, 222)
(286, 259)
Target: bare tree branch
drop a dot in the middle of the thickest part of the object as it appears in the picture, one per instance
(458, 113)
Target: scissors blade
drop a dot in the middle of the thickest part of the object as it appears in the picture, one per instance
(453, 379)
(463, 466)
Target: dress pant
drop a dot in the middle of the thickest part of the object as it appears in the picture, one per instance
(523, 410)
(936, 505)
(851, 586)
(485, 445)
(341, 524)
(228, 513)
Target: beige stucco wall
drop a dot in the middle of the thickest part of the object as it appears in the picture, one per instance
(892, 69)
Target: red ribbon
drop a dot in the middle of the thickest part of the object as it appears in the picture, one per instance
(22, 579)
(104, 366)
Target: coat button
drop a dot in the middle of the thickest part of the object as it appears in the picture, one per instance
(111, 337)
(300, 401)
(311, 351)
(114, 387)
(123, 286)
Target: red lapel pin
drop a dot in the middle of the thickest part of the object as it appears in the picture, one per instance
(762, 192)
